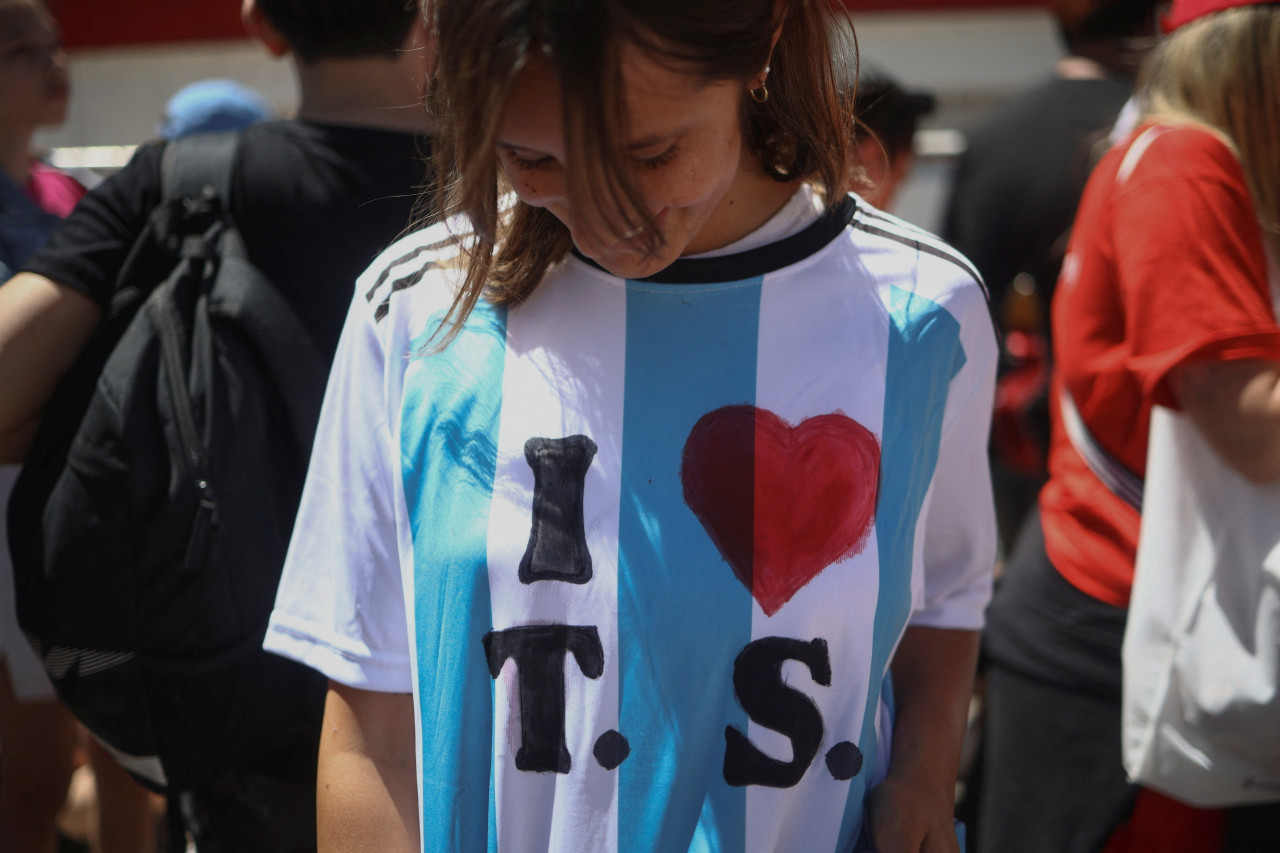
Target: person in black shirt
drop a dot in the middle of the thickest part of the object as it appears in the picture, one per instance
(1012, 202)
(316, 197)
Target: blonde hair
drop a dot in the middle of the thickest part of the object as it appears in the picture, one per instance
(1222, 72)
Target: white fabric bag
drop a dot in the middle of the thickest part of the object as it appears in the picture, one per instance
(1201, 705)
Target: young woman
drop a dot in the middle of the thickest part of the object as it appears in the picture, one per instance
(649, 508)
(1164, 299)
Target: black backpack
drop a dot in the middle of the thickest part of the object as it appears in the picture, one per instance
(150, 522)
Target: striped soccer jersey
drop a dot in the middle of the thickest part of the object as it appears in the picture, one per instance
(643, 550)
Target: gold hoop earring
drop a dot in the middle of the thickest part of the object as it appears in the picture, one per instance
(760, 93)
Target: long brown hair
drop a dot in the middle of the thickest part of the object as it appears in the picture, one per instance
(801, 132)
(1222, 71)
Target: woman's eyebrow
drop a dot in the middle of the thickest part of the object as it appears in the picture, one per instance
(655, 138)
(511, 146)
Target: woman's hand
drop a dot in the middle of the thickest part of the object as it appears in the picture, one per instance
(912, 810)
(906, 815)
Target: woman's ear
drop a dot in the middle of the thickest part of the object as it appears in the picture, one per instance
(780, 14)
(260, 27)
(777, 34)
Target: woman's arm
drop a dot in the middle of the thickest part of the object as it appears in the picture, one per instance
(912, 810)
(367, 790)
(43, 327)
(1236, 407)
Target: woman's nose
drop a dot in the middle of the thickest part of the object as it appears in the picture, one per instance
(544, 189)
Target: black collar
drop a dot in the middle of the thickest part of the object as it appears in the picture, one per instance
(755, 262)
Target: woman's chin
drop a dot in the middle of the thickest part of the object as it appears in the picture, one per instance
(629, 262)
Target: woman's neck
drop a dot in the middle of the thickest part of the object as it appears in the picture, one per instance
(752, 200)
(1105, 57)
(15, 156)
(363, 92)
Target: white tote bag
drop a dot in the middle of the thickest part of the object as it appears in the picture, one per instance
(1201, 705)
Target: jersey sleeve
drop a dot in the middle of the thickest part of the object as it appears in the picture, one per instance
(959, 548)
(340, 608)
(90, 247)
(1190, 258)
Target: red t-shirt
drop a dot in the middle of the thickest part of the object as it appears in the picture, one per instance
(1165, 268)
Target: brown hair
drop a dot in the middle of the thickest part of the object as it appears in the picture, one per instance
(1222, 71)
(801, 132)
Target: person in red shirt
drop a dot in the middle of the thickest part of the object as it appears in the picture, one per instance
(1166, 297)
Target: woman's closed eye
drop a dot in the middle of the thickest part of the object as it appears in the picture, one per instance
(527, 162)
(658, 161)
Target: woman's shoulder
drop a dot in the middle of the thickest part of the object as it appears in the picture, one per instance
(1167, 149)
(915, 259)
(414, 262)
(428, 244)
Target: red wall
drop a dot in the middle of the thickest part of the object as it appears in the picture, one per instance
(102, 23)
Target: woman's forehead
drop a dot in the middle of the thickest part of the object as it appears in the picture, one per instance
(655, 90)
(644, 71)
(661, 99)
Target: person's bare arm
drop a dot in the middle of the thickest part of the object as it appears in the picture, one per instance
(1236, 407)
(43, 327)
(912, 810)
(367, 790)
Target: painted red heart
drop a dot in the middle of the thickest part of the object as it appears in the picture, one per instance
(781, 503)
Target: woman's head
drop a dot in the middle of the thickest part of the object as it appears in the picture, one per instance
(1223, 70)
(628, 127)
(33, 68)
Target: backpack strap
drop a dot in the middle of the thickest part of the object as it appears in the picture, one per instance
(1113, 474)
(190, 167)
(192, 163)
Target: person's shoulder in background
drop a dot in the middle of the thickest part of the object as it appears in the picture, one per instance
(54, 190)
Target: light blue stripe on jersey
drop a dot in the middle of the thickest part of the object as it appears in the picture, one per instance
(451, 406)
(925, 354)
(682, 614)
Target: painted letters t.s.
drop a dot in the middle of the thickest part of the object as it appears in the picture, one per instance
(758, 683)
(539, 653)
